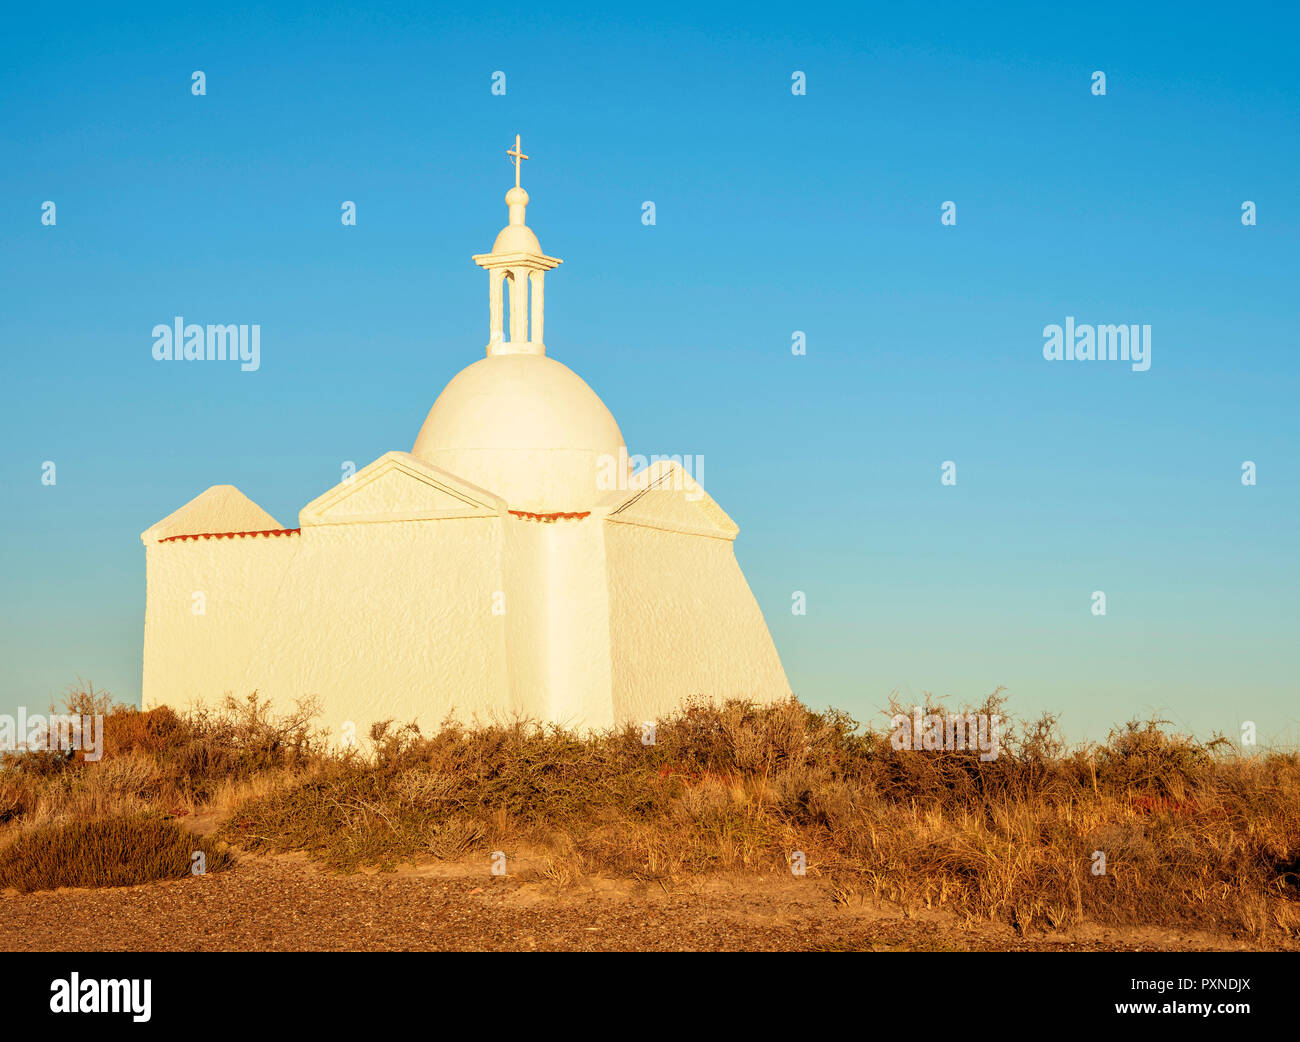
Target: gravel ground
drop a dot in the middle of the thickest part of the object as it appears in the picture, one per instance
(289, 904)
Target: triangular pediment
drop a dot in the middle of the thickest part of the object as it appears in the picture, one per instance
(400, 487)
(219, 509)
(665, 496)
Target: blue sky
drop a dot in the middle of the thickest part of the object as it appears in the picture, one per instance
(774, 213)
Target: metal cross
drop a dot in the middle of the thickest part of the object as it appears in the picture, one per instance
(516, 154)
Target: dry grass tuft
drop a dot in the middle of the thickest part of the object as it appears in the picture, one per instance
(122, 850)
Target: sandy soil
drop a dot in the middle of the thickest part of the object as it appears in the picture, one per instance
(287, 903)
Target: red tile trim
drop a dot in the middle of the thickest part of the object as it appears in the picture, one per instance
(528, 515)
(231, 535)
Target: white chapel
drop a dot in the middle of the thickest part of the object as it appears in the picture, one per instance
(509, 565)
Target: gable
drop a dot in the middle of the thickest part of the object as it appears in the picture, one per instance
(666, 497)
(400, 487)
(221, 508)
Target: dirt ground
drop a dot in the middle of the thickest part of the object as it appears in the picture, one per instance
(286, 903)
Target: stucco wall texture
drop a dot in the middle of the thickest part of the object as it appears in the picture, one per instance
(379, 610)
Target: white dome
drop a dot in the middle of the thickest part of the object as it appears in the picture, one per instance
(527, 428)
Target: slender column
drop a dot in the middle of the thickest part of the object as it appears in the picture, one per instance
(495, 311)
(535, 278)
(518, 307)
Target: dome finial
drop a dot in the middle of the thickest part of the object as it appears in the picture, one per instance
(516, 198)
(516, 261)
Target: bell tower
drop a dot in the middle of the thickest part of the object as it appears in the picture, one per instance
(517, 265)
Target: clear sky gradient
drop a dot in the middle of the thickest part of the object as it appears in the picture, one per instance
(775, 213)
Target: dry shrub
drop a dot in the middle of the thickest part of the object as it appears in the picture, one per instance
(239, 739)
(123, 785)
(153, 761)
(154, 733)
(1192, 833)
(123, 850)
(18, 794)
(452, 839)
